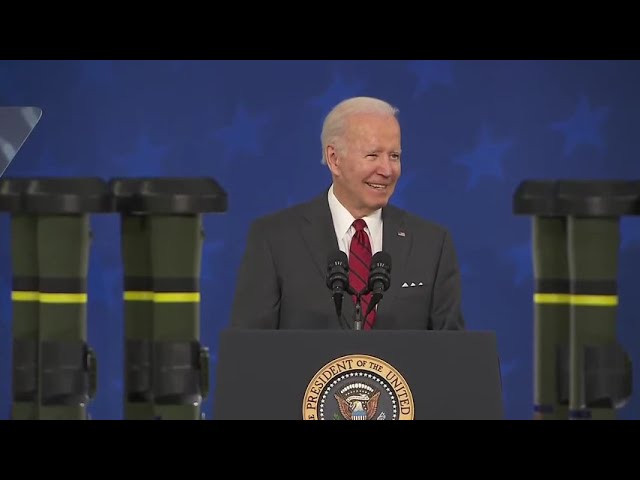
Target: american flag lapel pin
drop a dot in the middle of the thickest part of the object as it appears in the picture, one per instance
(401, 234)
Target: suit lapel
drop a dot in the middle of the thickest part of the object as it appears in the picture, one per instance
(396, 241)
(318, 232)
(319, 235)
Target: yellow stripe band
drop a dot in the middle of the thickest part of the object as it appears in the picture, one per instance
(162, 297)
(582, 300)
(552, 298)
(173, 297)
(595, 300)
(135, 296)
(22, 296)
(176, 297)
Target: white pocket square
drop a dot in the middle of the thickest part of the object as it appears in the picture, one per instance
(413, 284)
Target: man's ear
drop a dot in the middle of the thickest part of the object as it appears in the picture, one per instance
(332, 159)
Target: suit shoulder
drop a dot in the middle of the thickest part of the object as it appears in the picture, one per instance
(281, 219)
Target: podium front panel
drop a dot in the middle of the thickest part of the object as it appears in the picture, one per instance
(346, 374)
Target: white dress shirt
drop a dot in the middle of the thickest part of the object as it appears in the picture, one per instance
(343, 224)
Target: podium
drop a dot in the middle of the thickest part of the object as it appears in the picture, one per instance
(357, 375)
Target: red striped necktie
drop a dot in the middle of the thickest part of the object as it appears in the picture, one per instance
(359, 264)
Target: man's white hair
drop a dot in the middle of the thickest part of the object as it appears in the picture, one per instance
(334, 123)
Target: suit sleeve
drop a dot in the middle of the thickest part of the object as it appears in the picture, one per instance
(446, 313)
(256, 302)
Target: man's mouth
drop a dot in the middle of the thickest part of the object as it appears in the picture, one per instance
(377, 186)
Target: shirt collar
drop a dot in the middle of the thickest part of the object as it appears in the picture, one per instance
(343, 220)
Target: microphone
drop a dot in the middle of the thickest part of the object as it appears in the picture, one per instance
(379, 278)
(337, 277)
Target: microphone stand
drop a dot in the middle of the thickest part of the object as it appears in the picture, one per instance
(357, 320)
(357, 317)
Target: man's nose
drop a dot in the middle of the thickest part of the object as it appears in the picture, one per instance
(384, 166)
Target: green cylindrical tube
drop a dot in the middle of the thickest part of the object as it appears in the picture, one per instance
(176, 251)
(25, 306)
(24, 297)
(593, 261)
(162, 235)
(63, 253)
(138, 315)
(600, 371)
(536, 198)
(66, 364)
(180, 363)
(138, 301)
(551, 316)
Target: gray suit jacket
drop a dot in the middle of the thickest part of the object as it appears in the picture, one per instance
(282, 278)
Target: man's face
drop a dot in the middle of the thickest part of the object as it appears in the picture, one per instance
(366, 163)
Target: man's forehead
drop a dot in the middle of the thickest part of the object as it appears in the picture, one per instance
(373, 126)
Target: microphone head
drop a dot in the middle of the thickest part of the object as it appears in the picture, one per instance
(337, 259)
(381, 260)
(337, 269)
(379, 274)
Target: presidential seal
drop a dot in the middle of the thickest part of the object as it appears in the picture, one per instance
(358, 387)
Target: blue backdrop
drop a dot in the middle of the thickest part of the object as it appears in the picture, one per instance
(471, 131)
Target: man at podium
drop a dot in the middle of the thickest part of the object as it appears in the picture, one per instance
(304, 265)
(293, 350)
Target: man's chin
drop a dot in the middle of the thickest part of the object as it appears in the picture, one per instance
(379, 199)
(378, 205)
